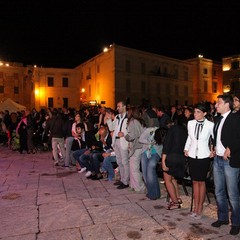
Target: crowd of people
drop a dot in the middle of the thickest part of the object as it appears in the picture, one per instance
(137, 140)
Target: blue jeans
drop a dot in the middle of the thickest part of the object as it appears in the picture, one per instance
(107, 166)
(150, 176)
(96, 159)
(77, 154)
(226, 181)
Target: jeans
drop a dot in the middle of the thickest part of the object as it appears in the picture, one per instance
(68, 141)
(226, 181)
(96, 159)
(85, 161)
(108, 167)
(150, 176)
(77, 154)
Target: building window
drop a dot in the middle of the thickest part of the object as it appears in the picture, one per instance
(214, 73)
(65, 82)
(16, 90)
(185, 74)
(143, 68)
(128, 66)
(165, 72)
(50, 81)
(128, 85)
(1, 89)
(214, 87)
(65, 102)
(175, 76)
(50, 102)
(89, 91)
(205, 86)
(143, 87)
(205, 71)
(235, 65)
(89, 76)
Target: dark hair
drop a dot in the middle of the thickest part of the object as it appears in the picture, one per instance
(227, 98)
(54, 112)
(160, 134)
(201, 106)
(135, 114)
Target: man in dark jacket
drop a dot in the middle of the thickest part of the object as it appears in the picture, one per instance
(55, 126)
(226, 166)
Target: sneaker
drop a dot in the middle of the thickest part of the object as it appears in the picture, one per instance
(234, 230)
(82, 170)
(88, 174)
(173, 205)
(193, 214)
(197, 217)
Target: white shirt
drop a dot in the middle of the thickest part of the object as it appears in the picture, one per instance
(220, 149)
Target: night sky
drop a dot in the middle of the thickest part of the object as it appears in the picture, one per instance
(53, 34)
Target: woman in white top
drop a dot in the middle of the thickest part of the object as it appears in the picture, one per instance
(198, 151)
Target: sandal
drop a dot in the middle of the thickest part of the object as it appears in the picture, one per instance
(173, 205)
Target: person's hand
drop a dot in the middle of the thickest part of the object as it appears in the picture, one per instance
(120, 134)
(106, 154)
(87, 152)
(186, 153)
(227, 154)
(164, 167)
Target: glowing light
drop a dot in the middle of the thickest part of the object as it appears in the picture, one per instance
(83, 90)
(36, 92)
(35, 66)
(1, 63)
(226, 68)
(226, 88)
(7, 64)
(105, 49)
(200, 55)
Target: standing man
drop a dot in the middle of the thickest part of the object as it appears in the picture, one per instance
(55, 126)
(120, 145)
(226, 166)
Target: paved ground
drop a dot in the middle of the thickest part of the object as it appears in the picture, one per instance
(40, 201)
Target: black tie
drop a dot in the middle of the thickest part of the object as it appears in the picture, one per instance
(198, 128)
(217, 126)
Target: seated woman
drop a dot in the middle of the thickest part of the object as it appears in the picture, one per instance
(152, 139)
(173, 161)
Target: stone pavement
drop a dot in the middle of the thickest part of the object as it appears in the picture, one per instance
(43, 202)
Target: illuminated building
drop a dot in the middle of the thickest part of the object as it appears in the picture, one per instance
(231, 74)
(118, 73)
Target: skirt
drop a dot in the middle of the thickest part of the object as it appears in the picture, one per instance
(176, 163)
(199, 168)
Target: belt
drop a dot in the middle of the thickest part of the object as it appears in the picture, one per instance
(117, 137)
(219, 156)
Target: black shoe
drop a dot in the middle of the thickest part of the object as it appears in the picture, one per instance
(234, 230)
(118, 183)
(122, 186)
(219, 223)
(97, 177)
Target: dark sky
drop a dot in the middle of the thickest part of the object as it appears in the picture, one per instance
(54, 34)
